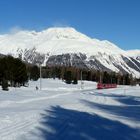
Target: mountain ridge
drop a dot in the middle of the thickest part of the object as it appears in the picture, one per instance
(67, 43)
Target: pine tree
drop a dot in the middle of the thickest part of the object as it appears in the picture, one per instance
(34, 73)
(68, 77)
(5, 85)
(13, 70)
(75, 81)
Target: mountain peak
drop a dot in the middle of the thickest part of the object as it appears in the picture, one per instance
(61, 29)
(70, 33)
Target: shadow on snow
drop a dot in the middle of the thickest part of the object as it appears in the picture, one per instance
(130, 109)
(125, 99)
(64, 124)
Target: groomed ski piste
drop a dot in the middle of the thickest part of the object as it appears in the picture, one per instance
(66, 112)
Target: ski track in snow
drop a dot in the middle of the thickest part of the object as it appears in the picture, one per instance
(12, 130)
(43, 98)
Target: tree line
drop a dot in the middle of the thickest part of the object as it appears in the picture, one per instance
(73, 74)
(15, 73)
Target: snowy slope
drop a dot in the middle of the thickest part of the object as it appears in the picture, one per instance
(65, 112)
(135, 54)
(104, 55)
(56, 41)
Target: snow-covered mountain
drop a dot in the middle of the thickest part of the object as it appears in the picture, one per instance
(134, 53)
(66, 46)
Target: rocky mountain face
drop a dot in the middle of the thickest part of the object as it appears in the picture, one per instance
(66, 46)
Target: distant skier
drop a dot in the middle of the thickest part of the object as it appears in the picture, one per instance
(36, 87)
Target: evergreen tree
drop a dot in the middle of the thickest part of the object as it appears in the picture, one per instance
(20, 73)
(13, 70)
(68, 77)
(34, 73)
(106, 78)
(75, 81)
(127, 79)
(5, 85)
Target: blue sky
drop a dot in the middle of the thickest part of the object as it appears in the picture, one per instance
(115, 20)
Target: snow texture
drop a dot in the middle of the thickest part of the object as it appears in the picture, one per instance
(66, 112)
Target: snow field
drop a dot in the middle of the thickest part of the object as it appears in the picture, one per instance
(62, 111)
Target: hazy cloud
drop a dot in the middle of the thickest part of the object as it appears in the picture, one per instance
(15, 29)
(61, 23)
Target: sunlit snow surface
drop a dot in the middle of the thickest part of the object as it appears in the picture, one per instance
(65, 112)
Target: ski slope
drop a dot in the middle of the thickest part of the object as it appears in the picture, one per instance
(67, 112)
